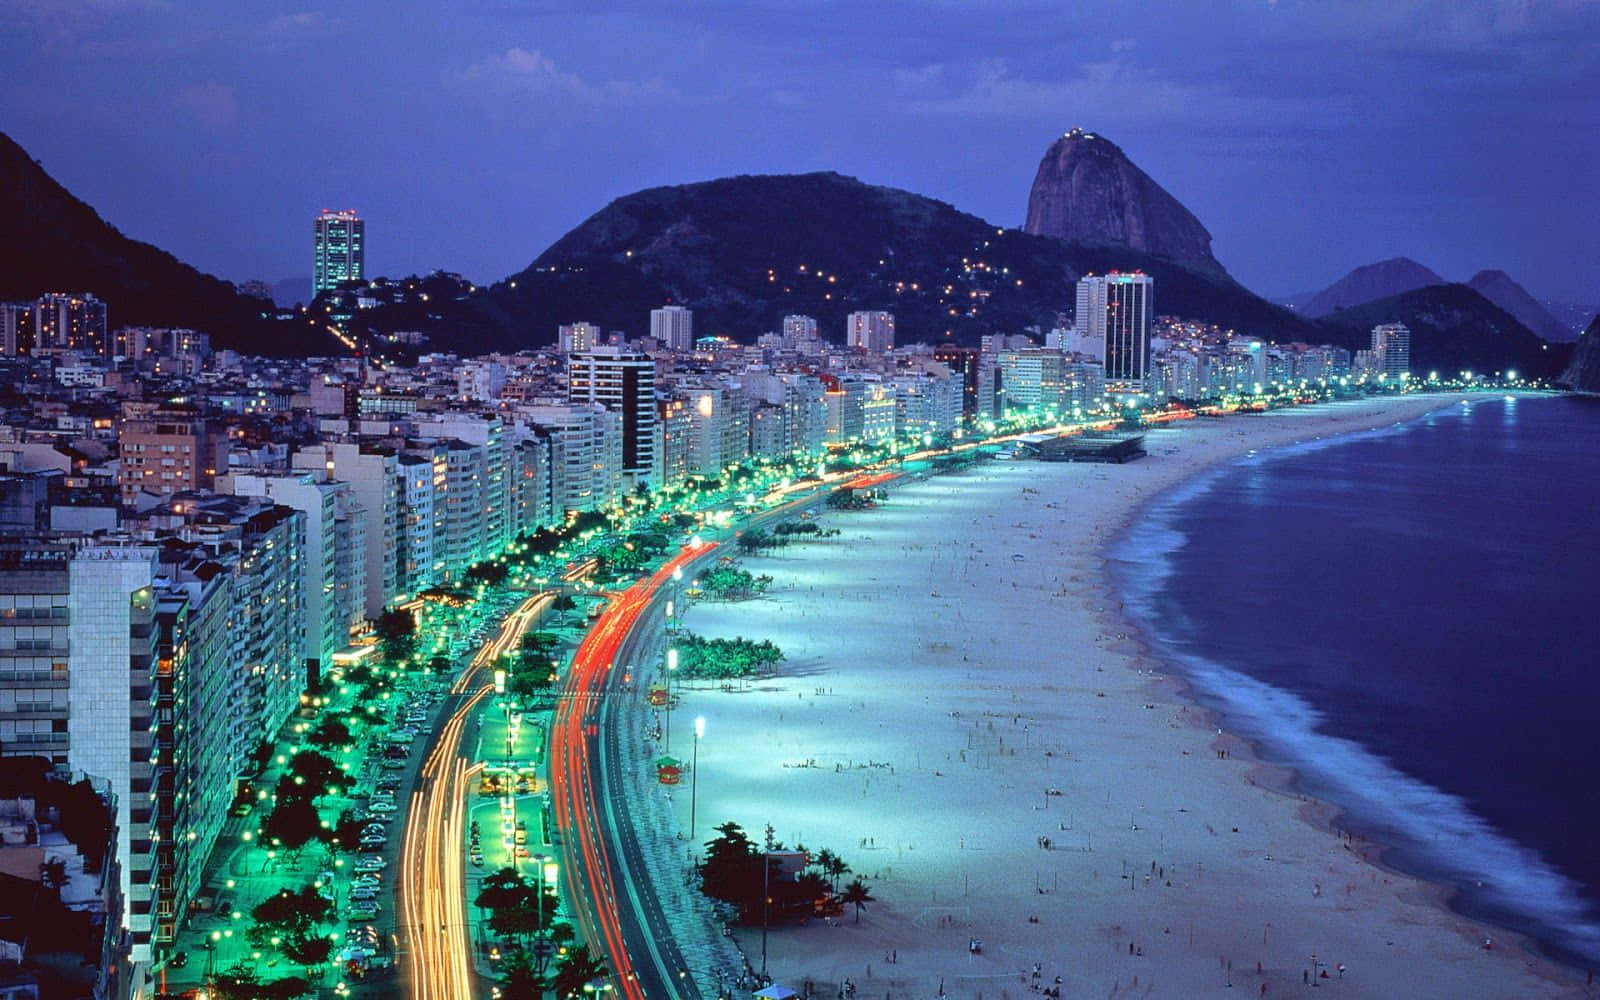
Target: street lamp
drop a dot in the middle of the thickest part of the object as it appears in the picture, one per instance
(672, 668)
(694, 770)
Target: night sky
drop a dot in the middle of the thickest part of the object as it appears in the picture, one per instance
(1309, 137)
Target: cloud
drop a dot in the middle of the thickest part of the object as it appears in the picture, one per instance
(305, 25)
(915, 77)
(520, 72)
(994, 91)
(212, 104)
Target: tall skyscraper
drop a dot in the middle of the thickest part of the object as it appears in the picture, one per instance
(1391, 348)
(674, 327)
(624, 382)
(963, 363)
(1115, 310)
(337, 239)
(871, 331)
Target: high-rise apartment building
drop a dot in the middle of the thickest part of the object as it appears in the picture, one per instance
(870, 331)
(337, 247)
(1391, 348)
(799, 330)
(78, 687)
(333, 568)
(586, 454)
(54, 324)
(422, 476)
(963, 363)
(1115, 310)
(674, 327)
(623, 382)
(373, 473)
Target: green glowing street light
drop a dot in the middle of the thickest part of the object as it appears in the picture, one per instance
(694, 770)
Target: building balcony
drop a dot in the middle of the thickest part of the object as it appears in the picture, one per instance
(34, 740)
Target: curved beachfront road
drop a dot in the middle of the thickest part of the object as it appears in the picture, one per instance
(606, 895)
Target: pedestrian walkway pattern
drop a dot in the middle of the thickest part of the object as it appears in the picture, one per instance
(713, 958)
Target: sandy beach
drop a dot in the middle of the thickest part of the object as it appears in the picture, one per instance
(966, 718)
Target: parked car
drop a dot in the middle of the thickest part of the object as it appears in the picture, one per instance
(371, 863)
(364, 910)
(374, 841)
(364, 893)
(367, 878)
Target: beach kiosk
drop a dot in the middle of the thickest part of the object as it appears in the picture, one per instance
(668, 770)
(775, 992)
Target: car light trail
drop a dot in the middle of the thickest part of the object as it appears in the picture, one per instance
(432, 877)
(573, 782)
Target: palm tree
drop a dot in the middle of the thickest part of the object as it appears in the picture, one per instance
(520, 978)
(837, 869)
(857, 894)
(577, 969)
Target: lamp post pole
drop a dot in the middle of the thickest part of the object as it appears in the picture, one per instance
(672, 668)
(694, 771)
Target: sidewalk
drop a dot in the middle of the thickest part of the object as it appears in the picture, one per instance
(713, 958)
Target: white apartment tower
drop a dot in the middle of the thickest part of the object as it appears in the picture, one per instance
(674, 327)
(374, 476)
(870, 331)
(798, 330)
(572, 337)
(1391, 348)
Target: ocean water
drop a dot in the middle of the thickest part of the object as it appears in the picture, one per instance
(1410, 618)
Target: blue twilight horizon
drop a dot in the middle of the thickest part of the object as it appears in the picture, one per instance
(1463, 134)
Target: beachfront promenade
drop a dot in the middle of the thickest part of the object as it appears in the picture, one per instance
(987, 741)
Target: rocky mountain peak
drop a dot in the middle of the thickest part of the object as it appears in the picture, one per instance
(1088, 191)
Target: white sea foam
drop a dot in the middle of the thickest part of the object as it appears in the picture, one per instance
(1433, 832)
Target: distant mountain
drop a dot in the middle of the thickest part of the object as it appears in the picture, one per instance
(1453, 328)
(291, 292)
(1573, 316)
(1368, 283)
(1292, 302)
(1087, 191)
(745, 251)
(1499, 288)
(56, 243)
(1583, 371)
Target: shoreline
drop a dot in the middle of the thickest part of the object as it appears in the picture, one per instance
(1319, 809)
(1095, 629)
